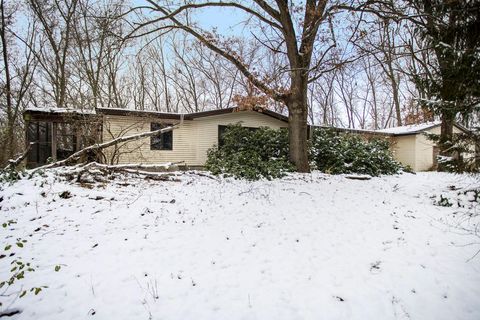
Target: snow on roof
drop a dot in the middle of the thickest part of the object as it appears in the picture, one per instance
(62, 110)
(410, 129)
(169, 115)
(136, 110)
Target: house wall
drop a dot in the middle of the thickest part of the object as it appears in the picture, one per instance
(403, 148)
(416, 150)
(139, 151)
(424, 149)
(207, 128)
(190, 141)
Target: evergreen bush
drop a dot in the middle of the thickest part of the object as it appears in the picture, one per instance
(336, 153)
(253, 154)
(250, 153)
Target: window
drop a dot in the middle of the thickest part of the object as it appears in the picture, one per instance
(221, 132)
(65, 139)
(163, 141)
(41, 133)
(223, 129)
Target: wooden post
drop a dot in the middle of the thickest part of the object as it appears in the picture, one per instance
(78, 138)
(54, 141)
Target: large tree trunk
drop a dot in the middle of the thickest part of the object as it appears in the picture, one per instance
(297, 127)
(9, 148)
(297, 124)
(446, 133)
(446, 136)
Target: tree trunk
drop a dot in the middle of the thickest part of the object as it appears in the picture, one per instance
(9, 148)
(297, 129)
(446, 132)
(446, 136)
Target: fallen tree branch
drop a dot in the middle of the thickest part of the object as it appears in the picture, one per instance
(358, 177)
(100, 146)
(10, 312)
(98, 172)
(154, 175)
(138, 166)
(13, 163)
(202, 174)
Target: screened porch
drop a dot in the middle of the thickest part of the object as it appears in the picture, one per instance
(56, 136)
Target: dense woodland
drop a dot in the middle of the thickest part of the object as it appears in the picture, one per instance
(352, 63)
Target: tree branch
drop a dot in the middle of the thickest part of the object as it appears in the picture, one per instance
(210, 43)
(100, 146)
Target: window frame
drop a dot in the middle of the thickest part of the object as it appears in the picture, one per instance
(161, 144)
(222, 128)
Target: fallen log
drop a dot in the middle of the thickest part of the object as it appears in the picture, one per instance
(98, 172)
(137, 166)
(13, 163)
(100, 146)
(359, 177)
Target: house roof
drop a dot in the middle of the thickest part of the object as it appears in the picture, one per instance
(60, 111)
(415, 128)
(57, 114)
(410, 129)
(139, 113)
(394, 131)
(352, 130)
(188, 116)
(267, 112)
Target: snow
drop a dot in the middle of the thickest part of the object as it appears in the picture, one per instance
(61, 110)
(308, 246)
(137, 110)
(414, 128)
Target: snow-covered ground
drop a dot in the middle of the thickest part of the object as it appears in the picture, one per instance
(304, 247)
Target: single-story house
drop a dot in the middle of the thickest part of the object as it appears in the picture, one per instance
(411, 146)
(60, 132)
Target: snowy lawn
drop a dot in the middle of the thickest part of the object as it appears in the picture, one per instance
(304, 247)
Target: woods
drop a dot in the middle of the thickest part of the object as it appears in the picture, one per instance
(239, 159)
(353, 64)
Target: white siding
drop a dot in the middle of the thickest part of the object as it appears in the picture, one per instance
(190, 141)
(416, 150)
(139, 151)
(403, 149)
(207, 128)
(424, 149)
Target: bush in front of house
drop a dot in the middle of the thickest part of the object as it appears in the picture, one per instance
(336, 153)
(250, 153)
(461, 152)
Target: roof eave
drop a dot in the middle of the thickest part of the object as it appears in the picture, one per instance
(139, 113)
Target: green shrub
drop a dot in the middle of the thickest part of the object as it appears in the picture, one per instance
(9, 175)
(348, 153)
(18, 270)
(461, 154)
(251, 153)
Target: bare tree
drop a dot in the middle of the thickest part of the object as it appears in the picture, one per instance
(17, 76)
(56, 21)
(378, 40)
(448, 31)
(95, 45)
(219, 80)
(294, 27)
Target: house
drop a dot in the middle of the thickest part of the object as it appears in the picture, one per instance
(411, 146)
(60, 132)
